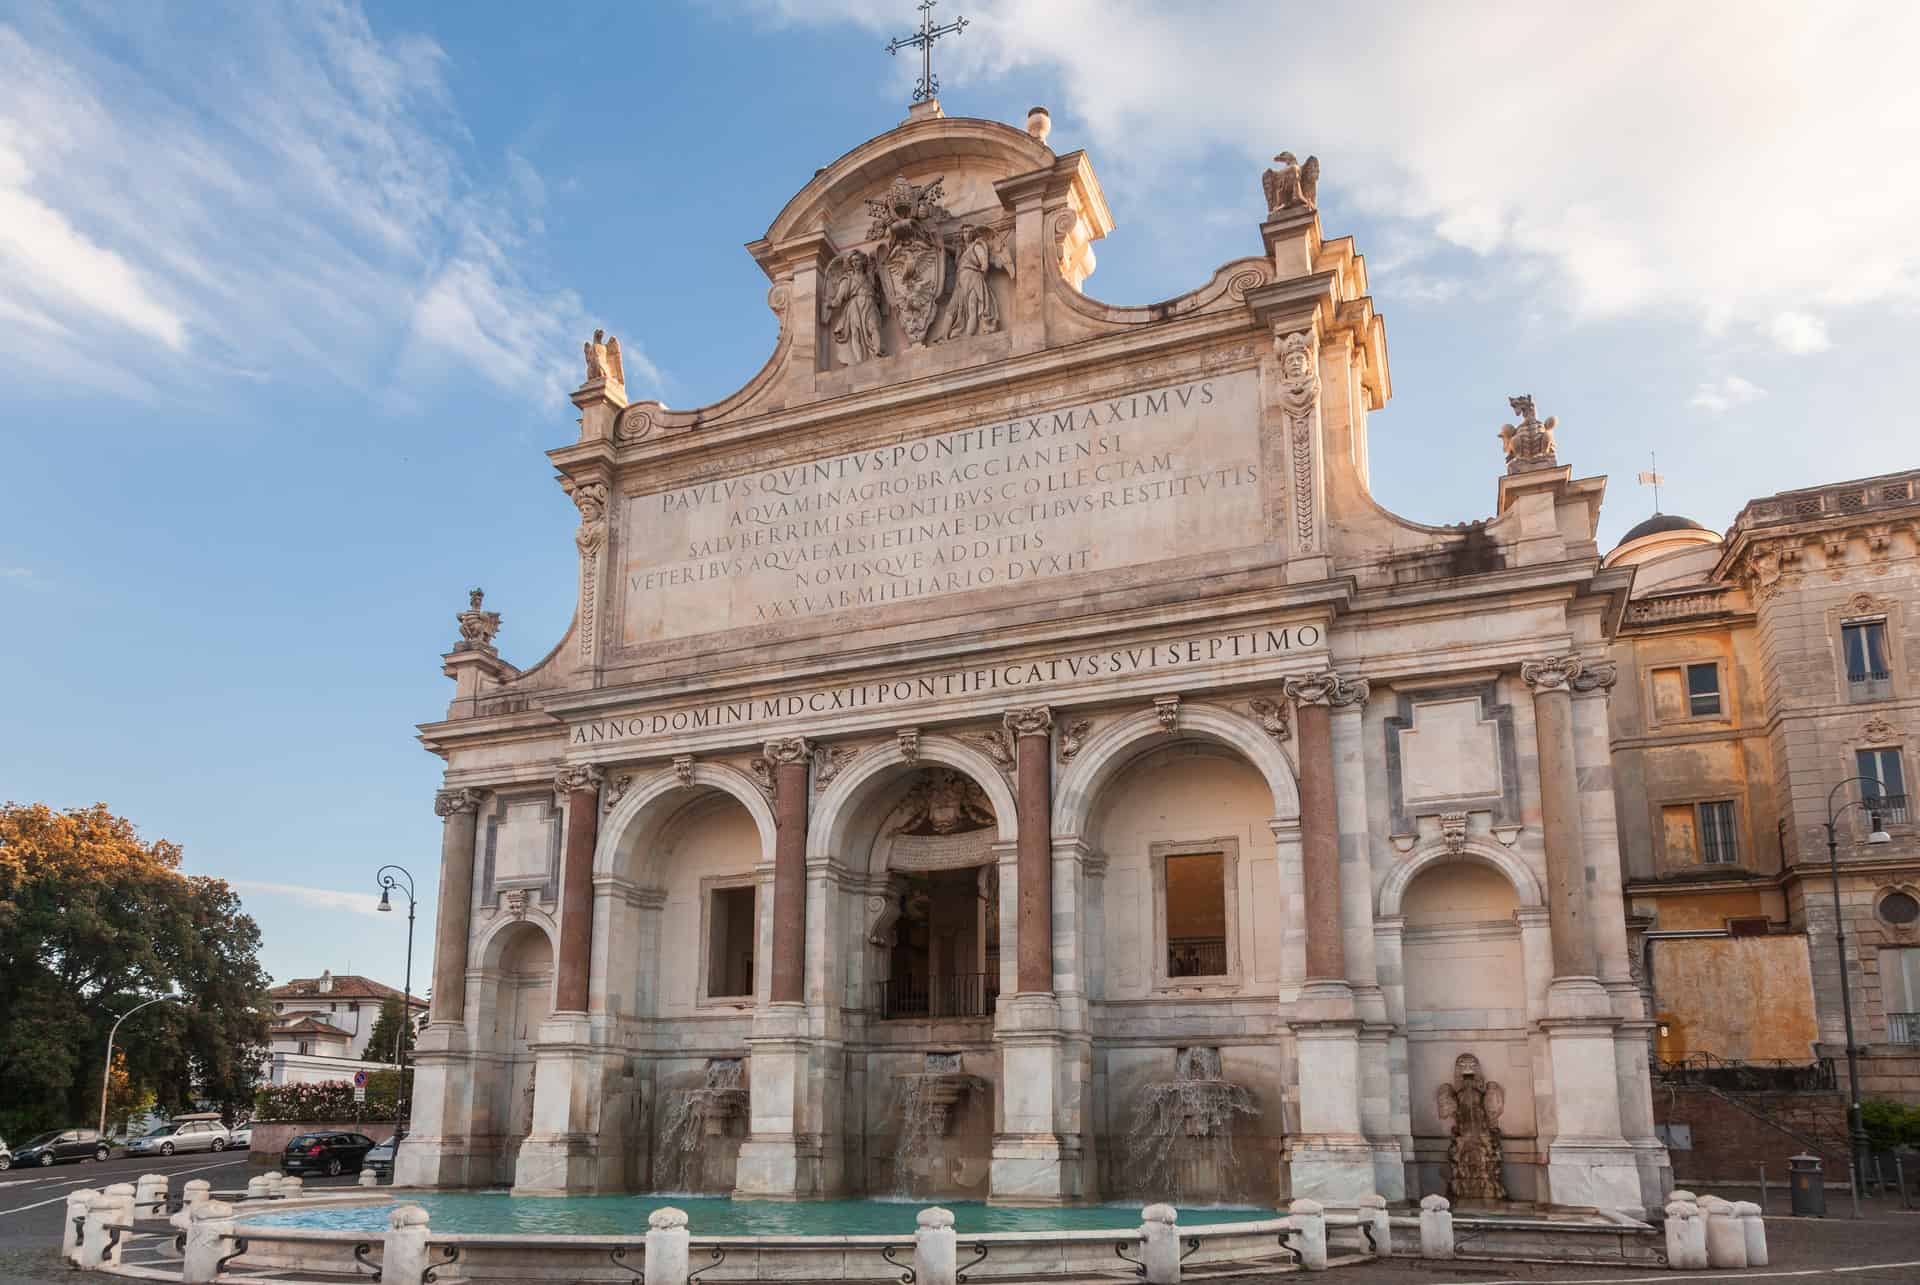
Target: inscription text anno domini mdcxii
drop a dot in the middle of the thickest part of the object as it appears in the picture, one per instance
(1147, 476)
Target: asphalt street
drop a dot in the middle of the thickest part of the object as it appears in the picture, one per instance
(1882, 1248)
(32, 1202)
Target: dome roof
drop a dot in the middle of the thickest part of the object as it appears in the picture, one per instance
(1656, 524)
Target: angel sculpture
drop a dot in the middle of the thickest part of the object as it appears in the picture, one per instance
(1474, 1105)
(1291, 185)
(603, 359)
(1529, 442)
(972, 310)
(854, 307)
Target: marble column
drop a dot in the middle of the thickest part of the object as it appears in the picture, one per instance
(789, 760)
(1330, 1159)
(1036, 1156)
(438, 1151)
(581, 786)
(1589, 1162)
(782, 1156)
(561, 1154)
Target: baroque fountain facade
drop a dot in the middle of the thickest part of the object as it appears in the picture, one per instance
(1004, 752)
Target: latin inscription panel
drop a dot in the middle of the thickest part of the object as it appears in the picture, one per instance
(1162, 473)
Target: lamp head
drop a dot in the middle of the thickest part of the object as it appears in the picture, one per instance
(385, 901)
(1878, 835)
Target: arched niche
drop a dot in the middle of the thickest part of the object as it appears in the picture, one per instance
(1393, 889)
(1111, 748)
(629, 832)
(850, 814)
(515, 994)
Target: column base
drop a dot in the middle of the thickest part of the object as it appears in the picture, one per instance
(1033, 1162)
(439, 1153)
(1597, 1173)
(1034, 1169)
(1334, 1169)
(563, 1165)
(561, 1155)
(781, 1167)
(780, 1160)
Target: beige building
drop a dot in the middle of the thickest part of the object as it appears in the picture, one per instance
(1765, 677)
(1005, 751)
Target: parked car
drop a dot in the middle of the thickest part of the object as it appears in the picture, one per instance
(64, 1144)
(198, 1132)
(327, 1153)
(6, 1156)
(380, 1160)
(240, 1137)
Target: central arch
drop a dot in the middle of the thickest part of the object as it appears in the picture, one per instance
(1109, 750)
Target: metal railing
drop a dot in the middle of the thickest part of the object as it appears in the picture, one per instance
(1773, 1075)
(959, 995)
(1874, 686)
(1887, 809)
(1197, 957)
(1903, 1028)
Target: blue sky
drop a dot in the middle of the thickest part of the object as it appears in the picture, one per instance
(290, 295)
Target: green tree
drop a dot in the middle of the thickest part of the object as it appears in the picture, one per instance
(92, 920)
(390, 1033)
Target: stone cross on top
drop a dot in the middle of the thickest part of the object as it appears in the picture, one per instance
(929, 84)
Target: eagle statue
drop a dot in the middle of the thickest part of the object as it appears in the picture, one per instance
(1292, 185)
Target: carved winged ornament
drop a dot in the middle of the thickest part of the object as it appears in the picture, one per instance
(913, 256)
(1293, 185)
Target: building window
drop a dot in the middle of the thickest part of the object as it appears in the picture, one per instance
(1869, 677)
(1195, 890)
(1700, 833)
(306, 1046)
(730, 937)
(1900, 993)
(1716, 834)
(1886, 798)
(1899, 908)
(1687, 691)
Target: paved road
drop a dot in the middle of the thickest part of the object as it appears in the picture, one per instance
(32, 1202)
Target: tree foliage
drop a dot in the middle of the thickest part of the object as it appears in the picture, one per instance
(92, 921)
(387, 1028)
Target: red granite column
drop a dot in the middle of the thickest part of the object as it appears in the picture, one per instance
(1567, 917)
(460, 809)
(581, 785)
(789, 765)
(1030, 728)
(1320, 820)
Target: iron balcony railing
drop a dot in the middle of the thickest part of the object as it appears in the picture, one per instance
(1869, 685)
(1887, 809)
(1771, 1075)
(1903, 1028)
(960, 995)
(1197, 957)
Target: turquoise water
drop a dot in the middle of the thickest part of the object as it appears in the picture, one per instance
(718, 1216)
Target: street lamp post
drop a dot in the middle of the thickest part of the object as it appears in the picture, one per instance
(106, 1076)
(1856, 1130)
(391, 877)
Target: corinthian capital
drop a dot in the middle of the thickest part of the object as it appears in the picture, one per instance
(578, 776)
(1029, 720)
(790, 749)
(447, 803)
(1596, 676)
(1555, 673)
(1326, 689)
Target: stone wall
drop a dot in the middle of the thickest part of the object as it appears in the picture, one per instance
(1731, 1140)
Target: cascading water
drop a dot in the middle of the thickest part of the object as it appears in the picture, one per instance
(690, 1158)
(1181, 1144)
(927, 1105)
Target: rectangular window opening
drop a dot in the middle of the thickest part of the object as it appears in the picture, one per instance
(1886, 797)
(1703, 690)
(1869, 676)
(1196, 915)
(1900, 993)
(1717, 847)
(730, 937)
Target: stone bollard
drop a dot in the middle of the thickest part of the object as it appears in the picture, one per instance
(274, 1179)
(260, 1187)
(405, 1256)
(1436, 1227)
(1160, 1244)
(1373, 1213)
(1309, 1221)
(1686, 1196)
(150, 1196)
(291, 1188)
(936, 1250)
(209, 1237)
(1686, 1237)
(1726, 1242)
(1754, 1229)
(98, 1246)
(368, 1178)
(667, 1238)
(198, 1191)
(78, 1203)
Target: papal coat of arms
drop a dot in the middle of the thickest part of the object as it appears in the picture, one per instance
(913, 256)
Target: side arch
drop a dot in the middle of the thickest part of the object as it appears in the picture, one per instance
(496, 936)
(1526, 885)
(1114, 746)
(652, 801)
(834, 811)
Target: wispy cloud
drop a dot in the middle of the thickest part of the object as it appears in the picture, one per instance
(1699, 161)
(293, 200)
(360, 903)
(1720, 396)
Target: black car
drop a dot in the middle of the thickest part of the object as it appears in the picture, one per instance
(64, 1144)
(327, 1153)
